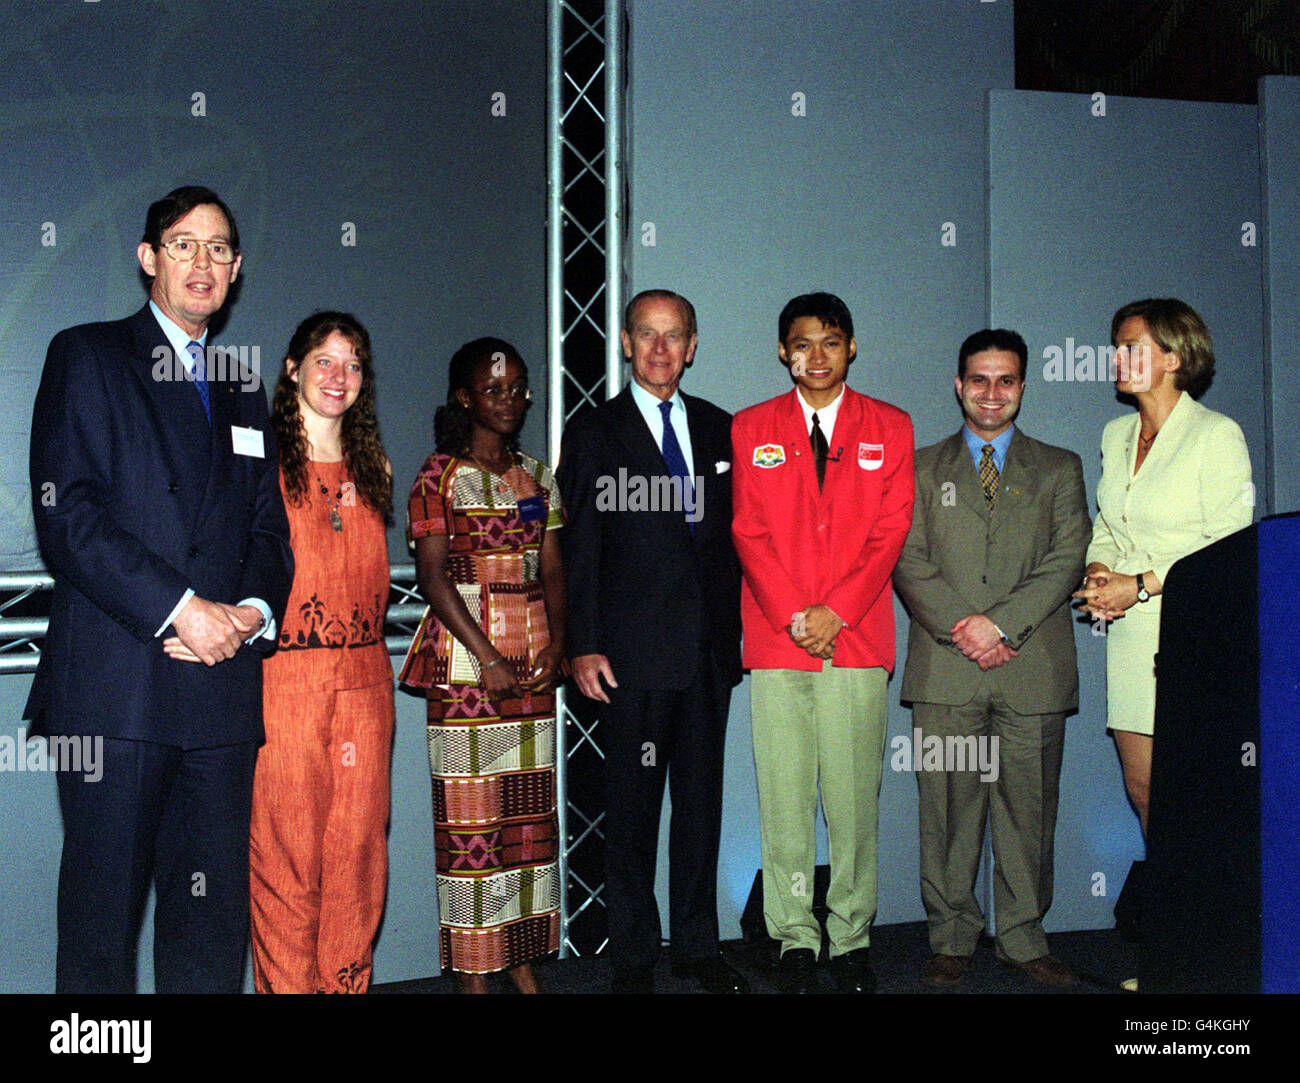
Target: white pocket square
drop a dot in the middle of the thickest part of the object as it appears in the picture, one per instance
(722, 467)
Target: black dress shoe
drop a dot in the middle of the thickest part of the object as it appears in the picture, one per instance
(713, 973)
(634, 979)
(797, 970)
(852, 972)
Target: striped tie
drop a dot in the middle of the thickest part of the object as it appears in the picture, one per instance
(989, 476)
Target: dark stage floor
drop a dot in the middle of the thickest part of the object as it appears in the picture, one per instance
(1100, 957)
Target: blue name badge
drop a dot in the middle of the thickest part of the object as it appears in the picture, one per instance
(531, 509)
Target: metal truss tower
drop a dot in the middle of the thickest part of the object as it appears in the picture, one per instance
(585, 254)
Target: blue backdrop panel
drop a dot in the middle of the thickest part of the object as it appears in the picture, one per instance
(413, 128)
(1279, 139)
(1279, 755)
(1092, 203)
(782, 147)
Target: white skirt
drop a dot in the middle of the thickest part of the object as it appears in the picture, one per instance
(1131, 644)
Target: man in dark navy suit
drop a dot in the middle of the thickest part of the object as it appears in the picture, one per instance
(653, 631)
(163, 518)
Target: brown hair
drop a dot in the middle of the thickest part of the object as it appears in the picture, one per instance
(363, 451)
(994, 338)
(175, 205)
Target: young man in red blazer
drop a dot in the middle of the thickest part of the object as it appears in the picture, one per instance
(822, 497)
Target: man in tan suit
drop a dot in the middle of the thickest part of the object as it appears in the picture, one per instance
(999, 529)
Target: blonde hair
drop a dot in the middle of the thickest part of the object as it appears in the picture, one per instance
(1176, 328)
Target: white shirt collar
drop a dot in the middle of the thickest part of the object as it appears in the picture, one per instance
(648, 404)
(177, 337)
(825, 416)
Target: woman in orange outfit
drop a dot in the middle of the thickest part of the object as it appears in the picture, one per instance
(318, 852)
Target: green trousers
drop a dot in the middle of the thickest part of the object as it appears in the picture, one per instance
(814, 729)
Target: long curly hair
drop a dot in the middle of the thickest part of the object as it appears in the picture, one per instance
(363, 451)
(452, 427)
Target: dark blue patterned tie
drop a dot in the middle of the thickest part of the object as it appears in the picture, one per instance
(195, 350)
(676, 461)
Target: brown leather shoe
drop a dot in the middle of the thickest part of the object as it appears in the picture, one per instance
(945, 969)
(1046, 970)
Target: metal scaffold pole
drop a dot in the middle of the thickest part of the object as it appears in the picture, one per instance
(584, 309)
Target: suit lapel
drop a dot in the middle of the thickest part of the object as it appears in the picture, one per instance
(178, 419)
(957, 466)
(1168, 439)
(798, 446)
(631, 430)
(1016, 482)
(225, 413)
(849, 424)
(841, 444)
(642, 455)
(1130, 445)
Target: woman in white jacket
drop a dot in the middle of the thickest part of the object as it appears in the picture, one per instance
(1175, 477)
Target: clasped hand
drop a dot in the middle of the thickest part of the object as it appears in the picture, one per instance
(210, 632)
(500, 681)
(814, 630)
(978, 639)
(1106, 594)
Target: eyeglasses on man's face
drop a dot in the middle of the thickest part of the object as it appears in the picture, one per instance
(184, 249)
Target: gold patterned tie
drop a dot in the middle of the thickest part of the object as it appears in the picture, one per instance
(989, 476)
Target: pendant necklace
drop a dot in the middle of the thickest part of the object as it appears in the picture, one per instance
(336, 520)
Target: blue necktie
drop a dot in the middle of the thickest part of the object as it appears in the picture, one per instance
(676, 461)
(195, 350)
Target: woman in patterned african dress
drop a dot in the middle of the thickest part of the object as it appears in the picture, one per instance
(483, 518)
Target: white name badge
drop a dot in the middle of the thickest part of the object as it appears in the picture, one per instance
(247, 442)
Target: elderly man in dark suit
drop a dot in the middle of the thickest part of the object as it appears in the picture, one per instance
(166, 519)
(654, 636)
(999, 529)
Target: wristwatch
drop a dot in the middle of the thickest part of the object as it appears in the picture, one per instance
(1144, 595)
